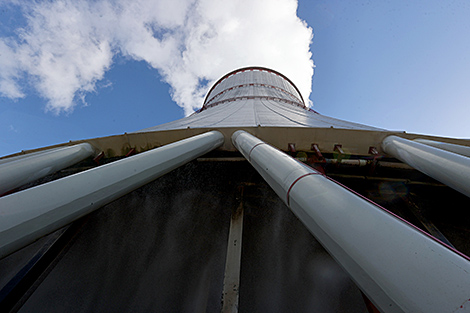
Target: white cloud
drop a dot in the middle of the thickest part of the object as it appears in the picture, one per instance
(11, 128)
(67, 46)
(9, 72)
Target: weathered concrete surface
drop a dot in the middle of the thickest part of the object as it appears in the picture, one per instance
(284, 269)
(162, 248)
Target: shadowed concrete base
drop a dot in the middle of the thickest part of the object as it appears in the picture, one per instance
(163, 248)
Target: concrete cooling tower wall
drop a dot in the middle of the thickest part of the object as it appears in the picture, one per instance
(162, 248)
(254, 203)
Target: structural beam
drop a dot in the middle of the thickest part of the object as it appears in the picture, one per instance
(231, 290)
(459, 149)
(397, 266)
(447, 167)
(23, 169)
(27, 215)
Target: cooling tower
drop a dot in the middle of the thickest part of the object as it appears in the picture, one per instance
(254, 203)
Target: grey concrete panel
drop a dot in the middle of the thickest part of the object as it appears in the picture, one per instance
(162, 248)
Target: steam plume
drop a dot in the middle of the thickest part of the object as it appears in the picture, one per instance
(66, 46)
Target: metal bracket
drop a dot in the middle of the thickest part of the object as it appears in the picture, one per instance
(291, 147)
(373, 163)
(339, 149)
(131, 152)
(317, 151)
(373, 151)
(98, 158)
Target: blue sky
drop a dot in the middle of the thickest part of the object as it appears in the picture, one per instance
(396, 65)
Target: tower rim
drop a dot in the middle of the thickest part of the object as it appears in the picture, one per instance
(250, 68)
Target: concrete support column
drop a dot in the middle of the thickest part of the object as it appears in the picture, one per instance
(30, 214)
(459, 149)
(397, 266)
(447, 167)
(23, 169)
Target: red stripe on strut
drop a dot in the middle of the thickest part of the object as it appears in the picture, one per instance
(295, 181)
(249, 153)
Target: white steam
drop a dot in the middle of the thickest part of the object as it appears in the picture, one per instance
(67, 46)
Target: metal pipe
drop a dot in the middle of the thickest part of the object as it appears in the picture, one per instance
(23, 169)
(398, 267)
(394, 165)
(23, 155)
(27, 215)
(459, 149)
(356, 162)
(447, 167)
